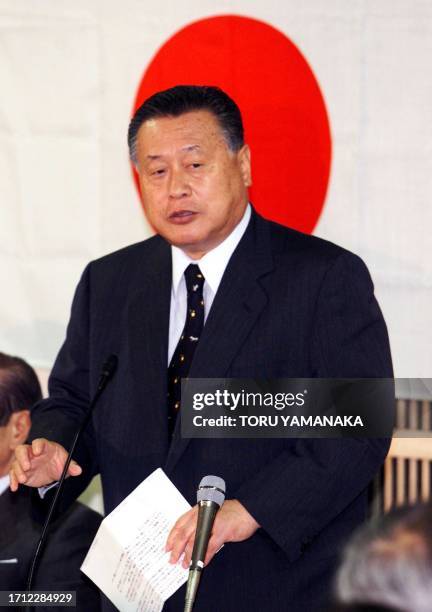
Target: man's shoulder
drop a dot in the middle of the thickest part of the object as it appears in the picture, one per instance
(129, 264)
(288, 242)
(138, 252)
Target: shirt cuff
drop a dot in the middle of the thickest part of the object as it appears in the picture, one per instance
(44, 490)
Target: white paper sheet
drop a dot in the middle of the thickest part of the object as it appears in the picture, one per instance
(127, 559)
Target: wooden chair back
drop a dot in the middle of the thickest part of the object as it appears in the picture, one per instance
(406, 474)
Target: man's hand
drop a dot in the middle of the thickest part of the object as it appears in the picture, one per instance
(233, 523)
(39, 464)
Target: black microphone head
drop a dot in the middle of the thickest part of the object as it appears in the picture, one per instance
(211, 488)
(110, 366)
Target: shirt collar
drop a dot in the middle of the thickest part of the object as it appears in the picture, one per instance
(4, 483)
(213, 263)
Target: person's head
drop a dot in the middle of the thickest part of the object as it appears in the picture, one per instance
(193, 166)
(19, 391)
(360, 608)
(389, 563)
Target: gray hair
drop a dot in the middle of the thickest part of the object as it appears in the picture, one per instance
(389, 562)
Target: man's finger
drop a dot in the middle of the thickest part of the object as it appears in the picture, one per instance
(74, 469)
(20, 475)
(181, 539)
(22, 456)
(13, 483)
(188, 551)
(215, 543)
(183, 521)
(38, 446)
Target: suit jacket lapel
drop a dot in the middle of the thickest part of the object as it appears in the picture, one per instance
(236, 307)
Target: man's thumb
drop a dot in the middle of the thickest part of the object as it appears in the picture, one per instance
(75, 469)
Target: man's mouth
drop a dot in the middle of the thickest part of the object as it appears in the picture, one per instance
(182, 213)
(182, 216)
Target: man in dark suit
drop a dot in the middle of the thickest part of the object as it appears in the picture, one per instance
(218, 292)
(70, 536)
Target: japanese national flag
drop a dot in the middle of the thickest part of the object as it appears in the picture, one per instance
(336, 99)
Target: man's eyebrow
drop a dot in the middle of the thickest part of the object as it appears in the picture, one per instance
(194, 147)
(187, 148)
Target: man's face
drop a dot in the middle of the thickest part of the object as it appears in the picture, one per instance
(6, 452)
(194, 188)
(13, 433)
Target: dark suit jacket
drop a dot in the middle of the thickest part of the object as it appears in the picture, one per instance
(289, 305)
(69, 540)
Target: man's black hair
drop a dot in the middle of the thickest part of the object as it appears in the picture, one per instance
(19, 386)
(182, 99)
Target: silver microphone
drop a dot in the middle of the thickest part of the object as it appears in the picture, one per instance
(210, 497)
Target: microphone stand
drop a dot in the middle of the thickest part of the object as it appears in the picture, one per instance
(108, 370)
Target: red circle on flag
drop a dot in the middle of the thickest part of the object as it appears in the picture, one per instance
(285, 118)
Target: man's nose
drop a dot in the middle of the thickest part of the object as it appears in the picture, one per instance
(179, 186)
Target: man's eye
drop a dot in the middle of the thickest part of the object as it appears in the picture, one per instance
(196, 165)
(158, 172)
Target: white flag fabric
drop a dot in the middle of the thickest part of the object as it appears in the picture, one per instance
(69, 74)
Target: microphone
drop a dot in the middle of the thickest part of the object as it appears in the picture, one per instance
(210, 497)
(107, 372)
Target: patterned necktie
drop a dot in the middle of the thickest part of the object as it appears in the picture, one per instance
(184, 352)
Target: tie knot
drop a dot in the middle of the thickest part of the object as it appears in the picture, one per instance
(194, 279)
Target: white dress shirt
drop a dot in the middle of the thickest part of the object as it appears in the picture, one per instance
(4, 483)
(212, 265)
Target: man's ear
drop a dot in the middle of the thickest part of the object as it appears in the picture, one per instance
(244, 157)
(19, 424)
